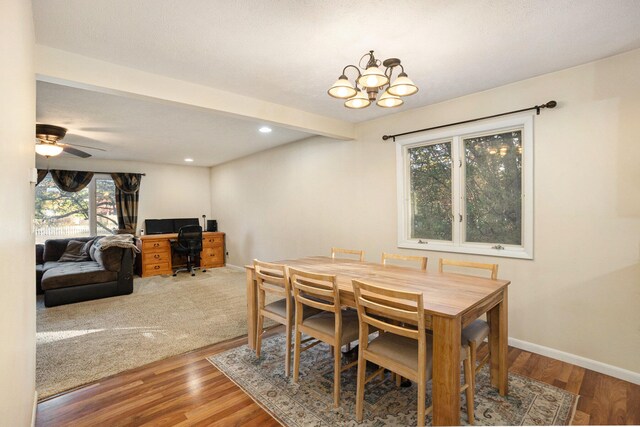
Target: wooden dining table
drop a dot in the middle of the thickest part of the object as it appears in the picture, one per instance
(451, 302)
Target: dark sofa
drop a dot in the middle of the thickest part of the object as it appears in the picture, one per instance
(105, 274)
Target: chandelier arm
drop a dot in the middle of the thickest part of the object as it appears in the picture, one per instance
(344, 71)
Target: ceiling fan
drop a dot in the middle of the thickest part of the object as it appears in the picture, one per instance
(49, 144)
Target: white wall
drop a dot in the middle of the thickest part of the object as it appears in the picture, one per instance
(167, 191)
(579, 295)
(17, 258)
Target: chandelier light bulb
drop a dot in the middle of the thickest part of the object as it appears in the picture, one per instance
(402, 86)
(373, 77)
(342, 88)
(389, 101)
(48, 149)
(359, 101)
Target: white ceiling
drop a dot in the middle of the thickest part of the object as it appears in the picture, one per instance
(152, 131)
(290, 51)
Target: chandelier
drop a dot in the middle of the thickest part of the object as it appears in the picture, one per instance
(371, 80)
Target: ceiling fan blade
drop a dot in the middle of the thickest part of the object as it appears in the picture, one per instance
(75, 152)
(83, 146)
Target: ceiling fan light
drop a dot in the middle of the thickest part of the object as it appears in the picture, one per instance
(361, 100)
(342, 89)
(373, 77)
(389, 101)
(402, 86)
(48, 150)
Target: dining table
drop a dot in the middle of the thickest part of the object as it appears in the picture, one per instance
(451, 302)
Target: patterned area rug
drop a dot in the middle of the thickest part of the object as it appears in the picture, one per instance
(309, 403)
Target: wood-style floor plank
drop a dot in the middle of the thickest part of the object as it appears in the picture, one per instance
(186, 390)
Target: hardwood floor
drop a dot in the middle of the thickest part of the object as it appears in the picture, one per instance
(187, 390)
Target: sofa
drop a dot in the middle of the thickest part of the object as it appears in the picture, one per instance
(91, 273)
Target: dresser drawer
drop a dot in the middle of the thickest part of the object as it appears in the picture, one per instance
(211, 241)
(155, 245)
(157, 268)
(155, 257)
(212, 256)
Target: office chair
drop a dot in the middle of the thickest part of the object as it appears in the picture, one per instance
(189, 243)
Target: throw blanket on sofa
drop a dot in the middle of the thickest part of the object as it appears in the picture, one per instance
(120, 241)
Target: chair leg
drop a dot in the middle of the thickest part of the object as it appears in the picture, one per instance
(287, 360)
(337, 364)
(296, 356)
(362, 368)
(469, 375)
(473, 349)
(260, 325)
(422, 394)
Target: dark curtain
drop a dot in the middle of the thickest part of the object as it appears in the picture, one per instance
(127, 195)
(72, 181)
(42, 173)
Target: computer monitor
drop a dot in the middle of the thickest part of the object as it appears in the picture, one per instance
(158, 226)
(181, 222)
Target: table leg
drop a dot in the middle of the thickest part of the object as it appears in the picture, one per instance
(498, 340)
(446, 371)
(252, 309)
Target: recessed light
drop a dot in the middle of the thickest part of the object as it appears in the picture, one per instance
(188, 159)
(265, 129)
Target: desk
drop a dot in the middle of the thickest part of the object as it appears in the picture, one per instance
(156, 252)
(451, 302)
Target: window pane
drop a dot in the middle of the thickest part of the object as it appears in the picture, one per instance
(106, 218)
(430, 175)
(494, 188)
(60, 214)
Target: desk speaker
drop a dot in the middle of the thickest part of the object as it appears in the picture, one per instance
(212, 225)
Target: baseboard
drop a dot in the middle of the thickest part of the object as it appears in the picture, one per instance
(235, 267)
(603, 368)
(33, 411)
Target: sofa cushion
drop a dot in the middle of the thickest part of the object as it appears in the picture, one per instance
(54, 248)
(75, 274)
(75, 252)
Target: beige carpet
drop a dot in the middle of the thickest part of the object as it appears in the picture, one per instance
(80, 343)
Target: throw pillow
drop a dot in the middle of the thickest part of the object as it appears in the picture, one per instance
(74, 252)
(87, 247)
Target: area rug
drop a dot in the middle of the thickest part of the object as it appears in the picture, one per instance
(165, 315)
(310, 402)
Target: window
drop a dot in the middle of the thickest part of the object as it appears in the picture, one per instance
(89, 212)
(468, 189)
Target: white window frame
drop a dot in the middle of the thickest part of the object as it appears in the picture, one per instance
(456, 136)
(93, 215)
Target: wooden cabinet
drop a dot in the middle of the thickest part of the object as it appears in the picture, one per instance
(157, 257)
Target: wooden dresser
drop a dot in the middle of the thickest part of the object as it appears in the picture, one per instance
(157, 256)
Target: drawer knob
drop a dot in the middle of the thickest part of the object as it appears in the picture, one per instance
(157, 267)
(155, 245)
(156, 256)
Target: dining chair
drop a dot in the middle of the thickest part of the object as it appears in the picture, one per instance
(476, 332)
(273, 280)
(422, 260)
(333, 326)
(403, 345)
(335, 251)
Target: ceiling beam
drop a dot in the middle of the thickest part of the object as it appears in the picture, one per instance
(70, 69)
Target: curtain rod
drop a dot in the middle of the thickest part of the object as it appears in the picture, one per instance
(550, 104)
(71, 170)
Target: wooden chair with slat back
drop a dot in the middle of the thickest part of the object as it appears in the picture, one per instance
(333, 326)
(273, 279)
(422, 260)
(476, 332)
(335, 251)
(403, 346)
